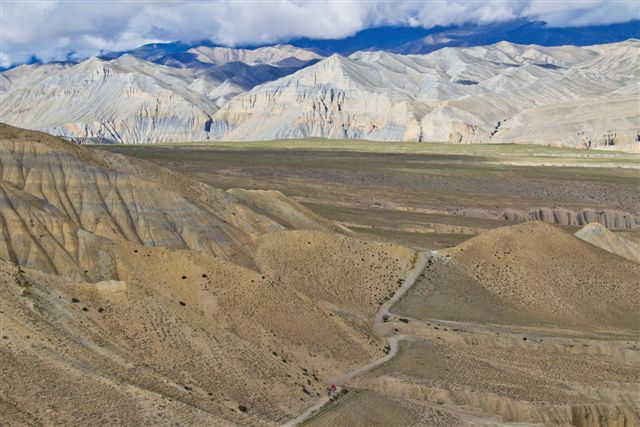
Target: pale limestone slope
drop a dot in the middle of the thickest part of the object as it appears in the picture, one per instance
(455, 94)
(129, 100)
(574, 96)
(124, 100)
(272, 55)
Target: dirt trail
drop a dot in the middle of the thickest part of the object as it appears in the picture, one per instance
(380, 329)
(396, 328)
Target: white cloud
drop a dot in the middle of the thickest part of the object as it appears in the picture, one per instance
(55, 28)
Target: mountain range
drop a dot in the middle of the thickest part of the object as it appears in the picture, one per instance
(578, 96)
(129, 100)
(500, 93)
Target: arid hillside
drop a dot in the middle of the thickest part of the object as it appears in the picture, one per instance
(121, 198)
(524, 324)
(134, 295)
(148, 296)
(530, 274)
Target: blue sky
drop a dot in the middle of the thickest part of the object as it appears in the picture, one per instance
(52, 29)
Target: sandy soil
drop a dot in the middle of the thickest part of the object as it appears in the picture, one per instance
(529, 274)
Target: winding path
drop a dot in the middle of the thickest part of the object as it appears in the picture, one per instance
(378, 329)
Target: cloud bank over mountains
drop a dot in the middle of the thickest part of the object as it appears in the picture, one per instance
(58, 30)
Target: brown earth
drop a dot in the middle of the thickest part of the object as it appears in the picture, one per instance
(427, 198)
(466, 383)
(529, 274)
(126, 287)
(522, 324)
(132, 294)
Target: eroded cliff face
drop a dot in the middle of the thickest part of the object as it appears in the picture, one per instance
(324, 101)
(118, 198)
(610, 218)
(129, 100)
(122, 101)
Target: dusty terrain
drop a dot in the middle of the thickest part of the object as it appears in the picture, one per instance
(530, 274)
(524, 341)
(159, 299)
(423, 195)
(135, 294)
(624, 244)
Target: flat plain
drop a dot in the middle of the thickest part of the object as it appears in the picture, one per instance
(425, 195)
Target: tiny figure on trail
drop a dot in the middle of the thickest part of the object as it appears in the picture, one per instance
(331, 390)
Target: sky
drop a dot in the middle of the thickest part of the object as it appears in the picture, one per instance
(75, 29)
